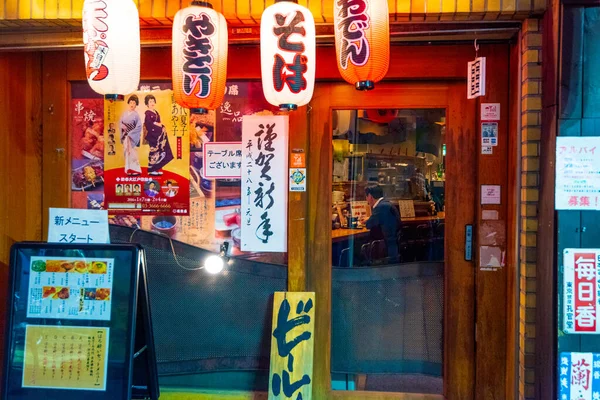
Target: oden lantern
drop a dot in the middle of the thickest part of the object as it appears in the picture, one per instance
(362, 43)
(287, 53)
(111, 39)
(200, 42)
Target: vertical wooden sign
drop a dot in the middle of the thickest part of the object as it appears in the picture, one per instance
(292, 346)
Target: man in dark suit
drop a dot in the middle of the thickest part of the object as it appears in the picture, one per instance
(384, 222)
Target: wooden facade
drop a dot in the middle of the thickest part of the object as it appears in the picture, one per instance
(476, 302)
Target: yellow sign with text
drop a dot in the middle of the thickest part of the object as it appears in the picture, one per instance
(292, 346)
(65, 357)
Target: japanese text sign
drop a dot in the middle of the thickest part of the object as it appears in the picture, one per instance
(476, 78)
(577, 173)
(222, 160)
(65, 357)
(70, 225)
(264, 183)
(579, 376)
(292, 346)
(581, 285)
(490, 111)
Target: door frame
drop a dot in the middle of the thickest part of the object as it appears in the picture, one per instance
(476, 327)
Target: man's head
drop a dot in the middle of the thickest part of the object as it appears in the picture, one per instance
(374, 193)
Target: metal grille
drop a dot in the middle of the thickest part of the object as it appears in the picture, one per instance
(202, 322)
(388, 319)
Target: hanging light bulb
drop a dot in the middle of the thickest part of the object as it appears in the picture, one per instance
(362, 41)
(200, 41)
(287, 52)
(111, 39)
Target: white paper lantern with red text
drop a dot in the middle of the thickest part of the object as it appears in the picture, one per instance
(362, 41)
(287, 52)
(199, 68)
(111, 39)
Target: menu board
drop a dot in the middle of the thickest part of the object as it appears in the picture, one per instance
(70, 288)
(77, 314)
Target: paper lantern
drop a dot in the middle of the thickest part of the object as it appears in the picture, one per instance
(111, 39)
(200, 41)
(287, 52)
(362, 41)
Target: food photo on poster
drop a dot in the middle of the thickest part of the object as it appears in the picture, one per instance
(147, 164)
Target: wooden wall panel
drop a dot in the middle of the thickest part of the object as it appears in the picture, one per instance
(56, 148)
(491, 310)
(20, 160)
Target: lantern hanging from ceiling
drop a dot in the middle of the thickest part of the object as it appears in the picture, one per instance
(362, 44)
(287, 52)
(200, 41)
(111, 40)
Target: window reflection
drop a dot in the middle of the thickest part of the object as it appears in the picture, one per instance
(388, 218)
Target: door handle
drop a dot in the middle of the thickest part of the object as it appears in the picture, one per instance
(468, 242)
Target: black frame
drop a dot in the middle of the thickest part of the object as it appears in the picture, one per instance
(138, 287)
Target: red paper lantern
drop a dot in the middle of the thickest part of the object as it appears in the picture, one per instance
(200, 41)
(362, 41)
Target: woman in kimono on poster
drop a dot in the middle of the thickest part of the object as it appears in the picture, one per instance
(131, 132)
(156, 135)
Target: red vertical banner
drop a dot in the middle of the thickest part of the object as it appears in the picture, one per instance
(585, 292)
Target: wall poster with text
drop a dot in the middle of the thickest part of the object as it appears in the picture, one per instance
(147, 155)
(65, 357)
(581, 291)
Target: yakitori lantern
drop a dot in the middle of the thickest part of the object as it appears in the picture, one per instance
(111, 39)
(287, 53)
(199, 57)
(362, 41)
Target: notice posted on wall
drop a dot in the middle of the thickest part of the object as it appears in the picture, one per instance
(577, 173)
(579, 376)
(65, 357)
(581, 285)
(70, 288)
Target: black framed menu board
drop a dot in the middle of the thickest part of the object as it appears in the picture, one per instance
(79, 324)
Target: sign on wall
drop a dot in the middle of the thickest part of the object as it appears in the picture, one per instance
(579, 376)
(577, 173)
(581, 284)
(264, 183)
(292, 346)
(223, 160)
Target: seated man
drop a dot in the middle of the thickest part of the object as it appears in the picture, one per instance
(384, 222)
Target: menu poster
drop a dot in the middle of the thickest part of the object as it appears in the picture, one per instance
(65, 357)
(87, 147)
(147, 155)
(70, 288)
(407, 208)
(264, 183)
(577, 173)
(241, 98)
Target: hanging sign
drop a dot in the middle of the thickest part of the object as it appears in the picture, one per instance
(476, 78)
(581, 285)
(264, 183)
(147, 162)
(579, 376)
(222, 160)
(292, 346)
(577, 173)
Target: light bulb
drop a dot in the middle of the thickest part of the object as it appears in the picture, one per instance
(214, 264)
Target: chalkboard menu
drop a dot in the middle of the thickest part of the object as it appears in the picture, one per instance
(79, 324)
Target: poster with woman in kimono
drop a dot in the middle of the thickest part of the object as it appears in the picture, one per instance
(147, 148)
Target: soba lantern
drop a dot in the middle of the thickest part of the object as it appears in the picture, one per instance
(200, 41)
(111, 39)
(287, 52)
(362, 42)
